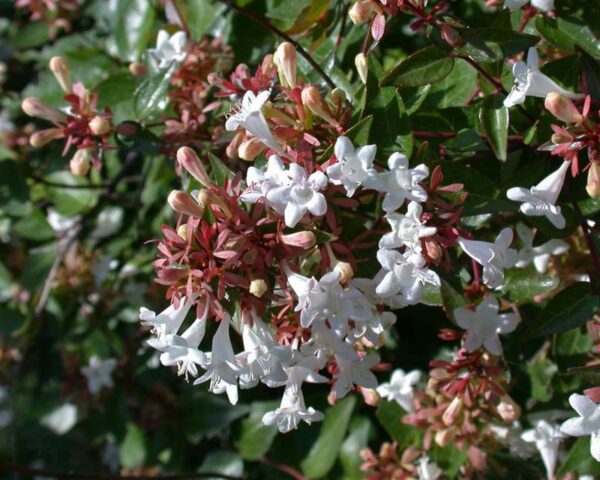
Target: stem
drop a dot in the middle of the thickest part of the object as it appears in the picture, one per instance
(285, 36)
(283, 468)
(31, 472)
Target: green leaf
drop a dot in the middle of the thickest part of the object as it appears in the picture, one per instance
(209, 414)
(201, 15)
(426, 66)
(34, 227)
(579, 459)
(491, 44)
(71, 201)
(541, 370)
(451, 298)
(220, 171)
(133, 449)
(569, 32)
(255, 437)
(494, 121)
(454, 90)
(225, 462)
(571, 308)
(574, 342)
(14, 192)
(390, 416)
(132, 26)
(358, 133)
(350, 452)
(322, 455)
(151, 96)
(521, 285)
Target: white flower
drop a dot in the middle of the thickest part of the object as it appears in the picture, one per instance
(401, 183)
(220, 365)
(540, 200)
(529, 81)
(493, 257)
(400, 388)
(165, 323)
(293, 409)
(168, 49)
(510, 435)
(485, 324)
(62, 419)
(354, 167)
(407, 230)
(108, 222)
(427, 470)
(540, 255)
(301, 195)
(59, 223)
(260, 183)
(249, 116)
(587, 423)
(405, 274)
(543, 5)
(547, 438)
(354, 372)
(99, 373)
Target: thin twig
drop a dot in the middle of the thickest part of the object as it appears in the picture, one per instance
(285, 36)
(39, 472)
(295, 474)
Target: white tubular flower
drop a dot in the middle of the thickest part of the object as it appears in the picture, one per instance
(547, 438)
(249, 116)
(407, 229)
(543, 5)
(540, 200)
(405, 274)
(493, 257)
(400, 388)
(353, 372)
(167, 322)
(485, 324)
(401, 183)
(354, 167)
(98, 373)
(530, 82)
(427, 470)
(587, 423)
(168, 49)
(540, 255)
(260, 183)
(220, 365)
(293, 409)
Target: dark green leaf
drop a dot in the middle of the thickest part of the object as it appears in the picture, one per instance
(568, 32)
(390, 416)
(71, 201)
(14, 192)
(522, 286)
(356, 440)
(150, 97)
(426, 66)
(494, 121)
(580, 459)
(255, 437)
(491, 44)
(133, 21)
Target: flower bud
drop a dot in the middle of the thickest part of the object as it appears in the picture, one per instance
(99, 125)
(313, 101)
(60, 69)
(232, 149)
(434, 250)
(337, 97)
(563, 108)
(206, 198)
(182, 231)
(258, 287)
(34, 107)
(360, 62)
(370, 395)
(593, 180)
(137, 69)
(81, 162)
(451, 36)
(304, 240)
(285, 60)
(183, 202)
(250, 149)
(190, 161)
(508, 410)
(558, 138)
(452, 411)
(41, 138)
(444, 437)
(345, 271)
(361, 11)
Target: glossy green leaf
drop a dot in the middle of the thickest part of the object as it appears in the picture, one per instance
(201, 14)
(579, 459)
(522, 285)
(569, 32)
(494, 121)
(426, 66)
(491, 44)
(255, 437)
(356, 440)
(71, 201)
(132, 26)
(150, 97)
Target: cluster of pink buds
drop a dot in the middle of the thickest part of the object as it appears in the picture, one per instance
(581, 133)
(79, 123)
(55, 13)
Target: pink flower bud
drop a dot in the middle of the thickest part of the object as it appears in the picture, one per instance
(563, 108)
(100, 125)
(285, 60)
(34, 107)
(451, 36)
(41, 138)
(452, 411)
(182, 231)
(182, 202)
(361, 11)
(206, 199)
(370, 395)
(190, 161)
(137, 69)
(303, 240)
(232, 149)
(81, 162)
(593, 180)
(508, 410)
(360, 62)
(258, 287)
(444, 437)
(60, 69)
(250, 149)
(313, 101)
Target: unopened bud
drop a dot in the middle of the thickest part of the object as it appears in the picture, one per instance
(444, 437)
(370, 395)
(361, 11)
(558, 138)
(313, 101)
(232, 149)
(258, 287)
(190, 161)
(60, 69)
(81, 162)
(285, 60)
(434, 250)
(362, 67)
(182, 231)
(337, 97)
(250, 149)
(206, 199)
(34, 107)
(452, 411)
(100, 125)
(41, 138)
(345, 271)
(451, 36)
(593, 180)
(508, 410)
(563, 108)
(183, 202)
(137, 69)
(304, 240)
